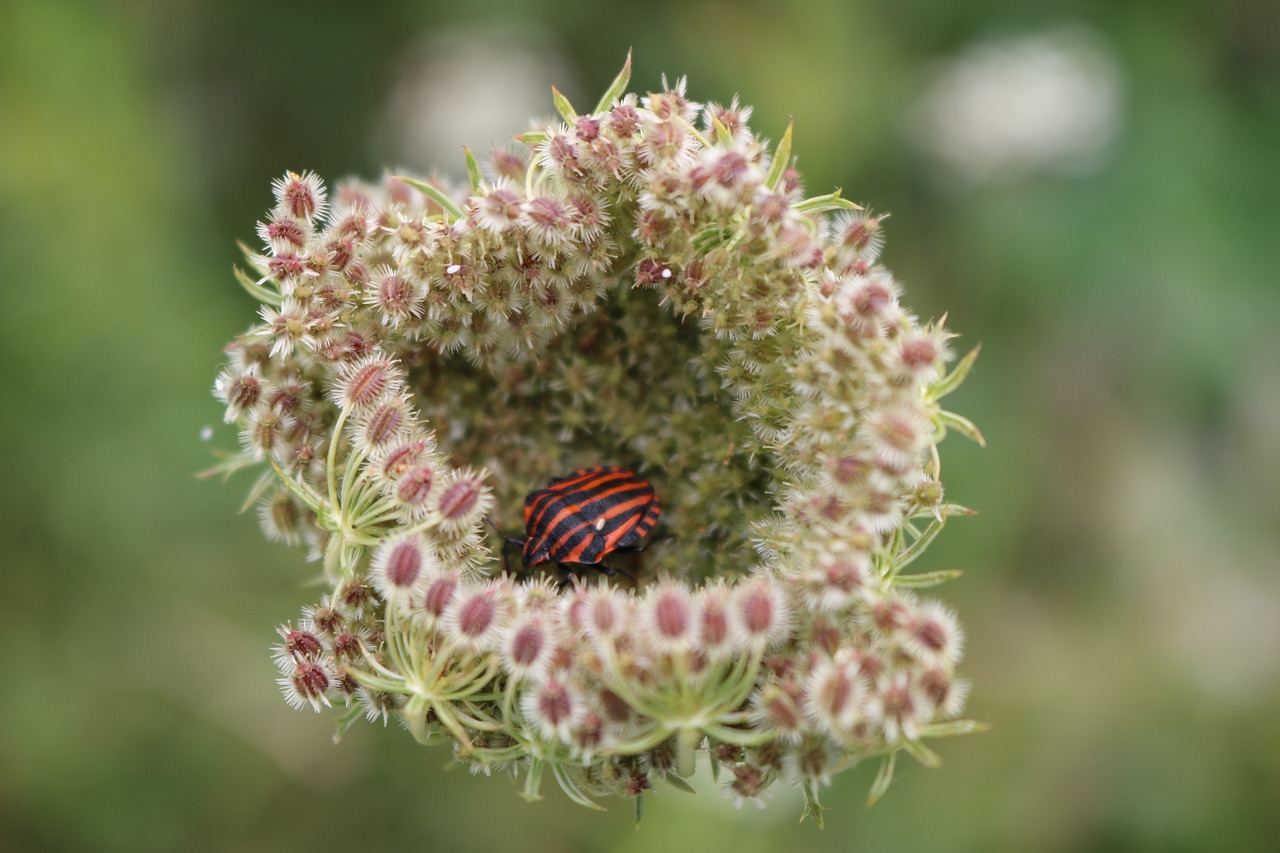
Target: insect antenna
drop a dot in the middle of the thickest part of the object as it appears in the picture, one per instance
(506, 541)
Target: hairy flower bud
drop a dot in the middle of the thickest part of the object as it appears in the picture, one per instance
(365, 382)
(476, 618)
(401, 566)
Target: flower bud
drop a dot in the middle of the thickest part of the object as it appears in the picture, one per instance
(281, 518)
(401, 566)
(602, 613)
(300, 196)
(933, 635)
(527, 647)
(463, 500)
(476, 618)
(361, 384)
(833, 695)
(385, 424)
(553, 708)
(500, 210)
(393, 463)
(717, 634)
(238, 389)
(396, 295)
(669, 618)
(440, 593)
(305, 683)
(764, 614)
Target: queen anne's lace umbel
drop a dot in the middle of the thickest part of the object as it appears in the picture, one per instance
(645, 285)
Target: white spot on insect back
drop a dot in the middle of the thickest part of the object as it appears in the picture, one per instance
(600, 524)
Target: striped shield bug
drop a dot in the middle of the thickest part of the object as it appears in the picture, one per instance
(578, 520)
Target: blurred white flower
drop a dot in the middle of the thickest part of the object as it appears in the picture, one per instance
(470, 85)
(1007, 107)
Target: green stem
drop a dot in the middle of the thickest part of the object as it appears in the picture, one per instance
(333, 459)
(686, 750)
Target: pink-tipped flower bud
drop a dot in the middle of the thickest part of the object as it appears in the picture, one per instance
(401, 566)
(933, 635)
(890, 614)
(508, 164)
(669, 618)
(281, 518)
(416, 488)
(812, 760)
(849, 469)
(729, 169)
(842, 578)
(386, 423)
(665, 141)
(553, 708)
(348, 646)
(833, 695)
(527, 647)
(305, 683)
(602, 612)
(901, 707)
(869, 664)
(396, 462)
(300, 196)
(859, 236)
(476, 618)
(439, 594)
(559, 155)
(652, 272)
(299, 645)
(750, 785)
(586, 128)
(463, 500)
(396, 295)
(778, 709)
(238, 389)
(549, 220)
(284, 235)
(918, 357)
(623, 120)
(732, 118)
(264, 433)
(764, 616)
(354, 597)
(499, 210)
(944, 691)
(362, 384)
(717, 634)
(896, 436)
(867, 303)
(324, 618)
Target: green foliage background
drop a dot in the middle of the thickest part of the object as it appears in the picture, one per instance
(1121, 593)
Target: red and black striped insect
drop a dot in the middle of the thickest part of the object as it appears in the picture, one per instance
(578, 520)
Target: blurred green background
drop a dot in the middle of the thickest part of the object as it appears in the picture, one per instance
(1090, 189)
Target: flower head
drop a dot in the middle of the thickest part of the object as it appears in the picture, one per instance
(649, 288)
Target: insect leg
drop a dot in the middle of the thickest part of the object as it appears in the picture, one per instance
(569, 576)
(607, 571)
(613, 573)
(641, 546)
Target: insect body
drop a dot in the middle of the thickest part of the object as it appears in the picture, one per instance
(578, 520)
